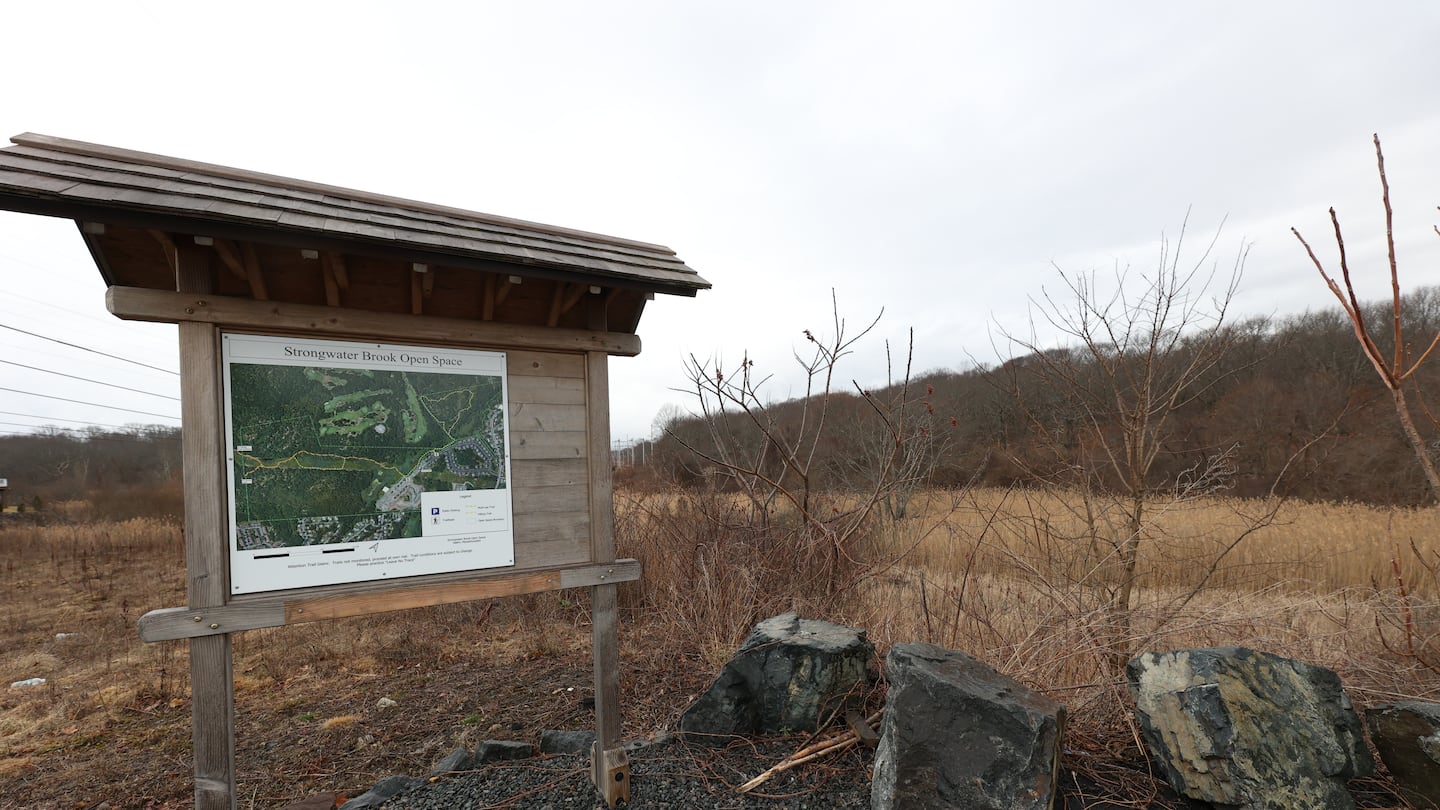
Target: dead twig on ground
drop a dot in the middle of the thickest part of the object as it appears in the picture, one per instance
(810, 752)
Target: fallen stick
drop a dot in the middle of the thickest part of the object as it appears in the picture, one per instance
(809, 753)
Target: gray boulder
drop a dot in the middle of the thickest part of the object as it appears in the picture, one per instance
(958, 734)
(553, 741)
(458, 760)
(1407, 735)
(507, 750)
(1251, 730)
(463, 759)
(789, 675)
(383, 791)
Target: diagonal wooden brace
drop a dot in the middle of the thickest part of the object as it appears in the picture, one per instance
(610, 770)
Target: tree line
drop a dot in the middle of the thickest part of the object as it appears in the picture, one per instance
(1288, 406)
(115, 473)
(1291, 406)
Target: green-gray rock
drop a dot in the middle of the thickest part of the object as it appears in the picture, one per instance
(1407, 735)
(957, 734)
(1250, 730)
(789, 675)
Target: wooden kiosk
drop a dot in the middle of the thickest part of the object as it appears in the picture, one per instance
(477, 344)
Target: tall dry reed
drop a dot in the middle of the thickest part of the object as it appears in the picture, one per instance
(1020, 578)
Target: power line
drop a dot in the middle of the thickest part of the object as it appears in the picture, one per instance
(58, 419)
(87, 379)
(86, 349)
(94, 404)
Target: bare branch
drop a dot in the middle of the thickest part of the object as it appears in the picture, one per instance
(1351, 308)
(1390, 251)
(1394, 374)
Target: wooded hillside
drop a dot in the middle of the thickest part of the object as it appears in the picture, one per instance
(119, 473)
(1291, 405)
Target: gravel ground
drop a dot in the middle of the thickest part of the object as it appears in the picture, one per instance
(674, 774)
(666, 775)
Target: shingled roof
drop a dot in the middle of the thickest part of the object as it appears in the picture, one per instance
(129, 203)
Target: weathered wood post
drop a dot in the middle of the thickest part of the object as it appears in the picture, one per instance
(212, 693)
(610, 768)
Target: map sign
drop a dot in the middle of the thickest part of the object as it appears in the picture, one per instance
(351, 462)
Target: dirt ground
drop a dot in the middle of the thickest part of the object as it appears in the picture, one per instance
(321, 729)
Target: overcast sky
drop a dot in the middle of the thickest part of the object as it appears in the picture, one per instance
(936, 160)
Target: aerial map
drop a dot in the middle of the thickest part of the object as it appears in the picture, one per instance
(327, 455)
(372, 443)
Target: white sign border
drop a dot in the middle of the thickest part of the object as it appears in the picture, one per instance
(266, 570)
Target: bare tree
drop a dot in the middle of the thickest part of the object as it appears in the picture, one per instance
(1399, 368)
(781, 458)
(1102, 411)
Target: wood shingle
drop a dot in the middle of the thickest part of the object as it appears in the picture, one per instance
(142, 199)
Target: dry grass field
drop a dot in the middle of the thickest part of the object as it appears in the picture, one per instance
(1017, 578)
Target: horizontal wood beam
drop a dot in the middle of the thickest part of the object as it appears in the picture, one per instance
(256, 612)
(163, 306)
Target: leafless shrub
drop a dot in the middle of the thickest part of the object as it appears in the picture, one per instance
(1103, 414)
(809, 514)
